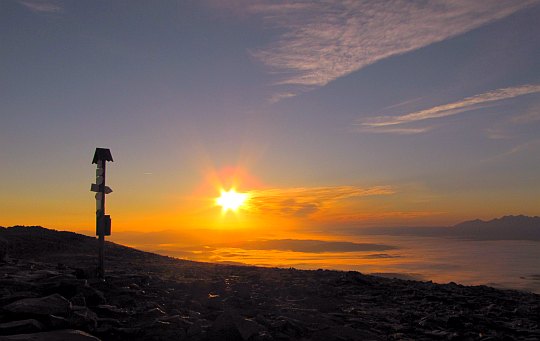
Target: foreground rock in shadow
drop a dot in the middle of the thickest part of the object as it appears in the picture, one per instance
(48, 292)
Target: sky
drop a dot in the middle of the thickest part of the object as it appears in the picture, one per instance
(325, 114)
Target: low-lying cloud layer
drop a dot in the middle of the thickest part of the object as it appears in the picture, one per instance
(313, 246)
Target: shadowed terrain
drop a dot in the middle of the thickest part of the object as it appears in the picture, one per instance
(48, 291)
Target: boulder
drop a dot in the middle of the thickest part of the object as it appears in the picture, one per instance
(49, 305)
(15, 296)
(106, 310)
(3, 249)
(57, 335)
(160, 330)
(22, 326)
(93, 296)
(83, 318)
(231, 326)
(17, 284)
(342, 333)
(67, 287)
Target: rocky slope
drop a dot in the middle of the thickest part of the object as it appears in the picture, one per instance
(48, 291)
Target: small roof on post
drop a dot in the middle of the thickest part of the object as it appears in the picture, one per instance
(102, 154)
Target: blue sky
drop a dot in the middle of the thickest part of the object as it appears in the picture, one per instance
(434, 106)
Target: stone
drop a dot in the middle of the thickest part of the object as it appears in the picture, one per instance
(65, 286)
(17, 284)
(56, 322)
(20, 327)
(86, 273)
(19, 295)
(341, 333)
(154, 313)
(107, 310)
(231, 326)
(78, 300)
(49, 305)
(93, 297)
(57, 335)
(224, 329)
(83, 318)
(194, 329)
(3, 249)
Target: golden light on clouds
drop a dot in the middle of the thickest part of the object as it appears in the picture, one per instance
(305, 201)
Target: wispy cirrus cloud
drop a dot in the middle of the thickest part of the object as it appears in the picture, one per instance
(325, 40)
(302, 202)
(394, 130)
(531, 115)
(42, 6)
(388, 123)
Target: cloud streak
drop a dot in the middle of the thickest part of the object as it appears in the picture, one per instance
(42, 6)
(390, 124)
(325, 40)
(302, 202)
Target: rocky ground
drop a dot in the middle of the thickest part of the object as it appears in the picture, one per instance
(48, 291)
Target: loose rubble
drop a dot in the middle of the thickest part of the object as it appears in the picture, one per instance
(52, 294)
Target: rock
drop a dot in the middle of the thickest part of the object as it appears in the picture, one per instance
(248, 328)
(102, 321)
(455, 321)
(78, 300)
(57, 335)
(65, 286)
(288, 326)
(93, 297)
(195, 329)
(154, 313)
(177, 320)
(19, 327)
(230, 326)
(56, 322)
(159, 330)
(10, 298)
(83, 318)
(17, 284)
(3, 249)
(224, 329)
(50, 305)
(342, 333)
(110, 311)
(86, 273)
(41, 274)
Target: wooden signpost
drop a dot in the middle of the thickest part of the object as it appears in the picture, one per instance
(103, 221)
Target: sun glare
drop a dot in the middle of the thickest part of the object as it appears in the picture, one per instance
(231, 200)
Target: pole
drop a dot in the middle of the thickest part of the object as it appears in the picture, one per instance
(100, 218)
(103, 221)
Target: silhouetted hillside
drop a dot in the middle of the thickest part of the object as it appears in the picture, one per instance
(39, 243)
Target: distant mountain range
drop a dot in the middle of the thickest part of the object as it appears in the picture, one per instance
(507, 227)
(510, 227)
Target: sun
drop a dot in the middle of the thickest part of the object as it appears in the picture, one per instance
(231, 200)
